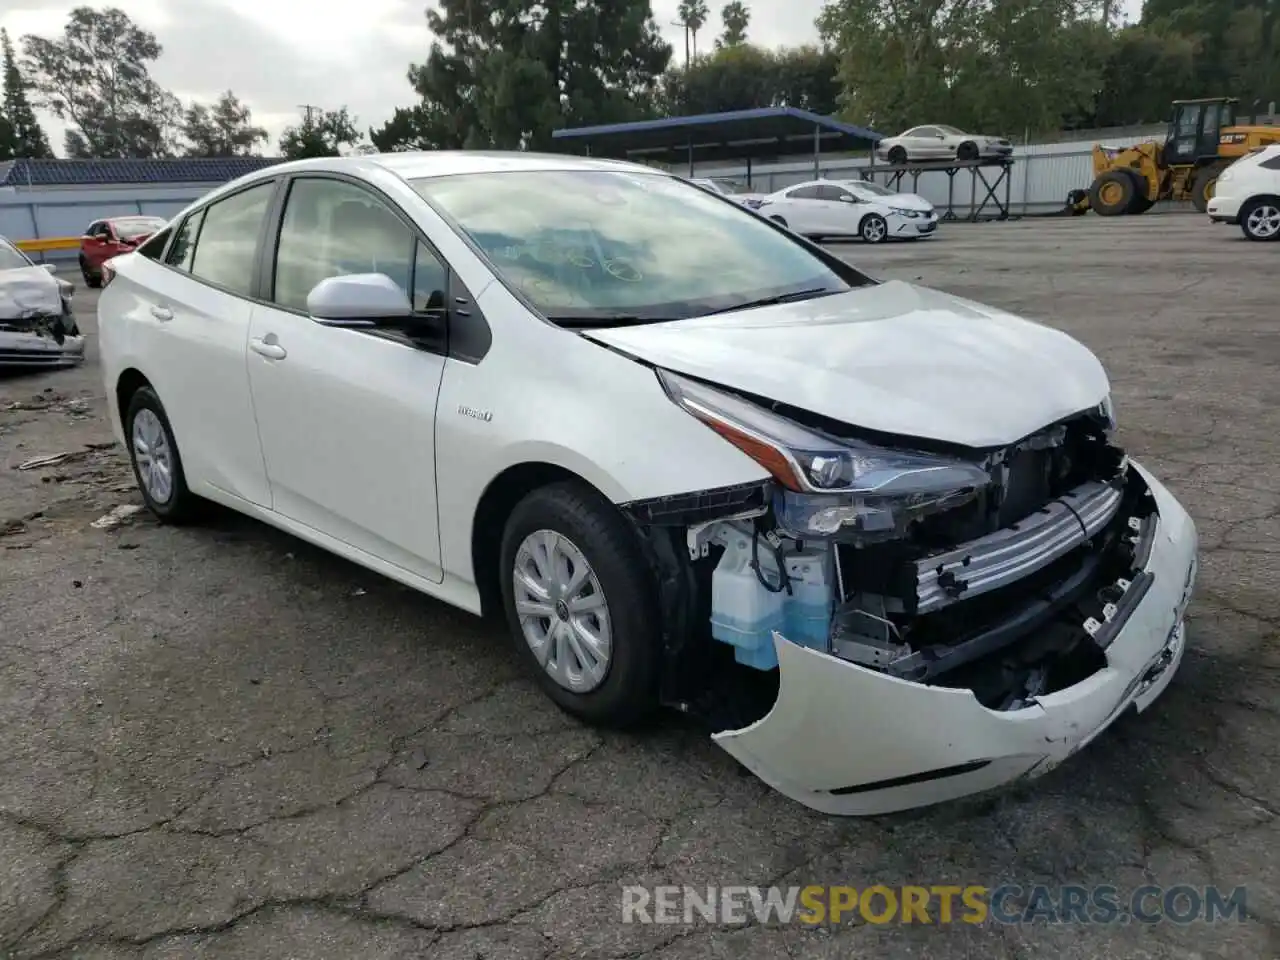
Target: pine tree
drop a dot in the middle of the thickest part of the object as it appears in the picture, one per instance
(20, 133)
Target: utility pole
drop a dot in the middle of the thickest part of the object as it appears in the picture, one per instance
(308, 111)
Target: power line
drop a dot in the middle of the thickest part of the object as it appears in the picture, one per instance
(309, 110)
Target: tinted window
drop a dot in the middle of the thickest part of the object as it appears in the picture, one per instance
(593, 244)
(923, 132)
(1271, 164)
(184, 243)
(11, 258)
(155, 246)
(831, 193)
(332, 228)
(229, 238)
(805, 193)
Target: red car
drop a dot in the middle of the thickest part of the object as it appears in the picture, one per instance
(109, 238)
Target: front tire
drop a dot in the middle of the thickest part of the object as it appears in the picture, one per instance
(873, 229)
(1260, 220)
(967, 152)
(1112, 193)
(157, 465)
(581, 604)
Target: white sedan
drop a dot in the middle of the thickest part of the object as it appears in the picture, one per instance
(940, 142)
(822, 209)
(679, 447)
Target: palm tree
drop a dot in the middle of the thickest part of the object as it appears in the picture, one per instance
(693, 14)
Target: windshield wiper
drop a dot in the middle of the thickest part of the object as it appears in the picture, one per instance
(771, 301)
(606, 320)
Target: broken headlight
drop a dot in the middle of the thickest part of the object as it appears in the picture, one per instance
(831, 486)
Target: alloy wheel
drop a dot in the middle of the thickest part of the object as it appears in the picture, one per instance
(1263, 221)
(563, 613)
(153, 455)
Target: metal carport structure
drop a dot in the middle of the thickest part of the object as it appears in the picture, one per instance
(763, 133)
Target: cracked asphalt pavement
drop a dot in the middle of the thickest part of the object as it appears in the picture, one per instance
(222, 743)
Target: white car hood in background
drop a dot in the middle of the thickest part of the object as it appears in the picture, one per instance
(29, 292)
(893, 357)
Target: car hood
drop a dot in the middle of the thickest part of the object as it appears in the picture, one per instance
(28, 292)
(893, 357)
(906, 201)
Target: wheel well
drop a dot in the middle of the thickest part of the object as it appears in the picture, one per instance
(1264, 197)
(496, 503)
(130, 382)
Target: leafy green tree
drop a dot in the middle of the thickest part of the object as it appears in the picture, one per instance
(322, 133)
(96, 77)
(999, 65)
(505, 73)
(223, 129)
(736, 18)
(744, 76)
(20, 133)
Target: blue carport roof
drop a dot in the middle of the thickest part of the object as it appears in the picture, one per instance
(762, 132)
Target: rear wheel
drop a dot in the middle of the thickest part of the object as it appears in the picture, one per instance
(873, 228)
(1112, 193)
(581, 604)
(897, 155)
(157, 466)
(1203, 187)
(1260, 219)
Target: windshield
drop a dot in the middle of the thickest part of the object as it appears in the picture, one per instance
(627, 247)
(865, 187)
(11, 258)
(133, 229)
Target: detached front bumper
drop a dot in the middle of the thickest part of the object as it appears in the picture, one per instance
(23, 349)
(844, 739)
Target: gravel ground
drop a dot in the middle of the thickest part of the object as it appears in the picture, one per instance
(222, 743)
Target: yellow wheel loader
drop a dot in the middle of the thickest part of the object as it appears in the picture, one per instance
(1203, 140)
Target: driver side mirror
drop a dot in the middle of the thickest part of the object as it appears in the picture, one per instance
(50, 267)
(359, 300)
(848, 198)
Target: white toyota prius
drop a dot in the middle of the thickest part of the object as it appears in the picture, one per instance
(879, 538)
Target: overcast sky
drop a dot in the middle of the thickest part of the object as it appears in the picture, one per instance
(279, 54)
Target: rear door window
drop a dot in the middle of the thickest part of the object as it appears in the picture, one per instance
(227, 247)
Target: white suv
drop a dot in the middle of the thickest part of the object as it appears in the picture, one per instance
(1248, 193)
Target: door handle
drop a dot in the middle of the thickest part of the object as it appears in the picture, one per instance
(272, 351)
(162, 313)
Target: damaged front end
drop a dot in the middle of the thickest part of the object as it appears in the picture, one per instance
(879, 628)
(37, 325)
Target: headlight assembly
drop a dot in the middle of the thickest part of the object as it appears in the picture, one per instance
(910, 214)
(829, 485)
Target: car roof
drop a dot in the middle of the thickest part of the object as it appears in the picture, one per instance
(413, 165)
(419, 164)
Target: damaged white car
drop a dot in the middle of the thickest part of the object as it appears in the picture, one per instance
(879, 537)
(37, 326)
